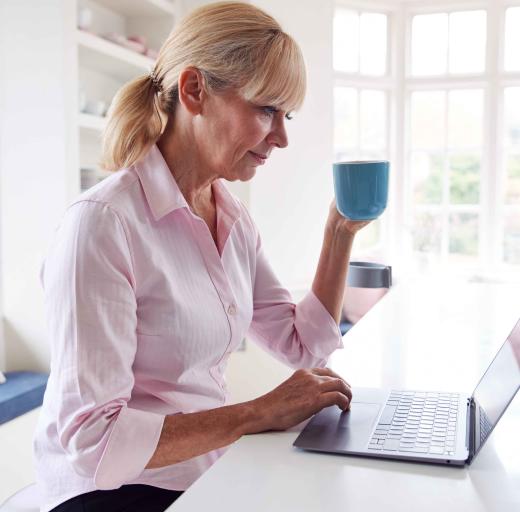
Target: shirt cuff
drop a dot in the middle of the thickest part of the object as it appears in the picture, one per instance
(130, 446)
(318, 330)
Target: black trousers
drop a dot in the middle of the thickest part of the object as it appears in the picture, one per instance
(128, 498)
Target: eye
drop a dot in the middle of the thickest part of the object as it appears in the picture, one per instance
(269, 111)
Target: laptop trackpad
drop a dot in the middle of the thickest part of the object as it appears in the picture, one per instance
(334, 430)
(355, 426)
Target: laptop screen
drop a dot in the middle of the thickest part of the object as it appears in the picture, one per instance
(498, 386)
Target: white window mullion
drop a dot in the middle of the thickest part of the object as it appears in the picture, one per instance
(492, 175)
(396, 128)
(359, 43)
(406, 211)
(359, 106)
(445, 234)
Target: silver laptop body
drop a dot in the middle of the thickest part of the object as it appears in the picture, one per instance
(421, 426)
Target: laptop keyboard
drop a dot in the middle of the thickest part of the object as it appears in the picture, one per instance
(417, 422)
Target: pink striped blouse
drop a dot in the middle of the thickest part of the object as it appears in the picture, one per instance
(143, 311)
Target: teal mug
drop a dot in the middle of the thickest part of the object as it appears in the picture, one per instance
(361, 188)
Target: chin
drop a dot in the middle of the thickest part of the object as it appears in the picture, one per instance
(248, 174)
(243, 175)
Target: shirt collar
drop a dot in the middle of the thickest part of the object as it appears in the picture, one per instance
(164, 195)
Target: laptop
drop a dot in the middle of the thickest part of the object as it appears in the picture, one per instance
(421, 426)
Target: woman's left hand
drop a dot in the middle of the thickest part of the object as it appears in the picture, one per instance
(342, 226)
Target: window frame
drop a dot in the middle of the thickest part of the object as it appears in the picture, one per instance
(385, 83)
(399, 84)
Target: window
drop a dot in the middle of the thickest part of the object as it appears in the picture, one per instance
(451, 43)
(360, 41)
(512, 43)
(511, 140)
(360, 59)
(445, 164)
(511, 197)
(455, 125)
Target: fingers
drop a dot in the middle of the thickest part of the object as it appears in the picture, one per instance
(327, 372)
(335, 398)
(334, 384)
(334, 389)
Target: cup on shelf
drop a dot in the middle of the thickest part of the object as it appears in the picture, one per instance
(96, 107)
(82, 101)
(139, 42)
(84, 18)
(114, 37)
(134, 46)
(135, 43)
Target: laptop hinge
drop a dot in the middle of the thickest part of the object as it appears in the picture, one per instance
(470, 427)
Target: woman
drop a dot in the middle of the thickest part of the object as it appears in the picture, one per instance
(156, 274)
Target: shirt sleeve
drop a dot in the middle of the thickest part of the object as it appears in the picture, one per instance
(91, 308)
(301, 335)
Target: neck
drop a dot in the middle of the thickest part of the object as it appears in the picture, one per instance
(179, 150)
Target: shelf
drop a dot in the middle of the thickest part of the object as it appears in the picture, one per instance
(110, 58)
(139, 8)
(91, 122)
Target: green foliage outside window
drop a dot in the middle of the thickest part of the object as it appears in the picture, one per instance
(464, 179)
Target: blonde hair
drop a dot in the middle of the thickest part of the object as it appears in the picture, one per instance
(235, 46)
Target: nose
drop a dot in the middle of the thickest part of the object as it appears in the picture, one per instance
(278, 135)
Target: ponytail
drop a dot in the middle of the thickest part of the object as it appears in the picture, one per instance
(135, 122)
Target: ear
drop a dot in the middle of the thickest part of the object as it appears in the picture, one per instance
(191, 90)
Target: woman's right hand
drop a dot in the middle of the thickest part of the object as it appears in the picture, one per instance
(303, 394)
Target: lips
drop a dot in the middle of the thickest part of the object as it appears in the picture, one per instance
(260, 158)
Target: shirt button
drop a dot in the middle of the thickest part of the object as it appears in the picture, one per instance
(231, 309)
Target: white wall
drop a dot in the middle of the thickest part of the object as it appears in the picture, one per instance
(290, 197)
(34, 151)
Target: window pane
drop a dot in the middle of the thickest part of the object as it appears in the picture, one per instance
(467, 42)
(512, 55)
(427, 172)
(464, 233)
(464, 179)
(373, 120)
(512, 239)
(428, 125)
(429, 44)
(427, 233)
(512, 116)
(346, 40)
(513, 179)
(372, 155)
(345, 118)
(465, 124)
(373, 43)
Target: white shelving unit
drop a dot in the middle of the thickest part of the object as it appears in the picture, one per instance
(110, 58)
(101, 66)
(140, 8)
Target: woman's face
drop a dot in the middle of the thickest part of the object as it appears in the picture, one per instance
(235, 136)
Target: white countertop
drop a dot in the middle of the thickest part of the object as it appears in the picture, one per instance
(422, 335)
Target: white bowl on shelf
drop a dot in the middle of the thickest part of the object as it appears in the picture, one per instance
(95, 107)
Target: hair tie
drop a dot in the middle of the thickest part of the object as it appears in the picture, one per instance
(156, 82)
